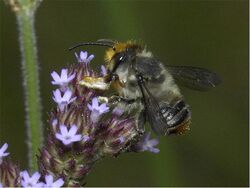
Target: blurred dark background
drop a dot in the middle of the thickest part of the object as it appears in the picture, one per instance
(209, 34)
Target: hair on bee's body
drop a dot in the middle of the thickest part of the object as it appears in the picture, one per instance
(147, 87)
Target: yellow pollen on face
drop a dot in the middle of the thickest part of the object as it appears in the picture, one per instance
(119, 47)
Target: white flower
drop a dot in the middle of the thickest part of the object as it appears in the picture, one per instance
(147, 144)
(50, 182)
(83, 57)
(64, 100)
(3, 153)
(32, 181)
(68, 136)
(96, 110)
(62, 80)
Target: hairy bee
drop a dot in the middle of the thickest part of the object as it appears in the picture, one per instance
(145, 84)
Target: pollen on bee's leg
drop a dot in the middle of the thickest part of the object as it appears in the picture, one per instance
(102, 99)
(94, 83)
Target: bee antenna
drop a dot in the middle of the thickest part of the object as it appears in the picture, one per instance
(92, 44)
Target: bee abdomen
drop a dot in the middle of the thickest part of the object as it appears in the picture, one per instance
(177, 117)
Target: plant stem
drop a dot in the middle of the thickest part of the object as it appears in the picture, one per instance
(25, 11)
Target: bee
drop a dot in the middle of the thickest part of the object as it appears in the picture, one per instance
(144, 83)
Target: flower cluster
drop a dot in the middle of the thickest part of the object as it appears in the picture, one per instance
(33, 181)
(83, 129)
(10, 175)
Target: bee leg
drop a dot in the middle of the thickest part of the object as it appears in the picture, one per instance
(175, 115)
(117, 99)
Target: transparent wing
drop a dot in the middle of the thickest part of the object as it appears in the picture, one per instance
(195, 77)
(153, 112)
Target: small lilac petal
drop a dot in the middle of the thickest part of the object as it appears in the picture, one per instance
(67, 141)
(64, 74)
(36, 176)
(76, 138)
(71, 77)
(85, 138)
(147, 137)
(95, 102)
(73, 130)
(122, 139)
(5, 154)
(57, 96)
(25, 174)
(154, 150)
(55, 76)
(90, 58)
(49, 179)
(104, 108)
(67, 95)
(54, 122)
(4, 148)
(83, 55)
(58, 183)
(59, 136)
(90, 107)
(104, 70)
(63, 129)
(118, 111)
(153, 142)
(72, 99)
(95, 116)
(147, 144)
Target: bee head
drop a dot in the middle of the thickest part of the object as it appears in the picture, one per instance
(120, 53)
(117, 53)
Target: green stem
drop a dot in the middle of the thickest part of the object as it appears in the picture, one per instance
(25, 11)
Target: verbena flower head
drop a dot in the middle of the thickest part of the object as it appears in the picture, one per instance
(30, 181)
(68, 136)
(97, 110)
(63, 79)
(63, 99)
(83, 57)
(147, 144)
(50, 183)
(3, 152)
(85, 130)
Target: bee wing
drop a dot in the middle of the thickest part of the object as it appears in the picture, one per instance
(195, 77)
(153, 112)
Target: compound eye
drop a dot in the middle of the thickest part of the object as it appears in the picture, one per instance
(120, 57)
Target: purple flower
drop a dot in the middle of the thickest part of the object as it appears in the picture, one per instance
(96, 110)
(1, 185)
(68, 136)
(147, 144)
(50, 182)
(62, 80)
(83, 57)
(118, 111)
(54, 122)
(122, 139)
(3, 153)
(85, 138)
(64, 100)
(104, 70)
(32, 181)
